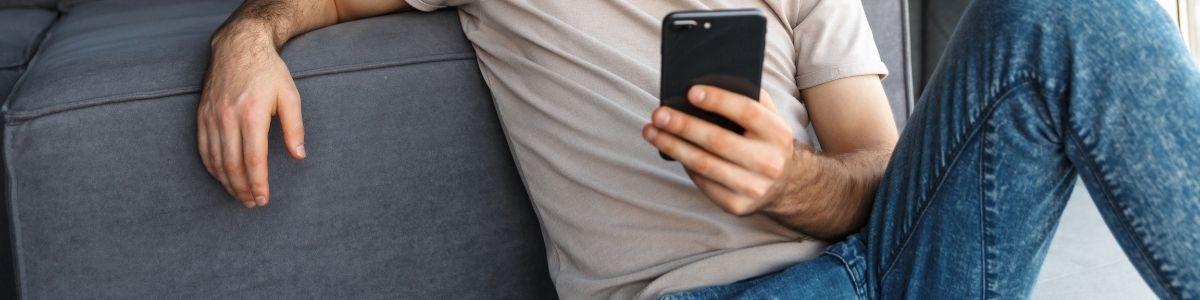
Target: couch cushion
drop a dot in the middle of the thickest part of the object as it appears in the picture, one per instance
(409, 190)
(20, 31)
(889, 23)
(139, 49)
(63, 5)
(48, 4)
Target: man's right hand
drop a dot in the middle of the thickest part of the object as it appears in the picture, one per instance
(247, 83)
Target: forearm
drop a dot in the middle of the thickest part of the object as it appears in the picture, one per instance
(274, 22)
(829, 197)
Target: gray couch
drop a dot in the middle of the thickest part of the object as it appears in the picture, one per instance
(409, 190)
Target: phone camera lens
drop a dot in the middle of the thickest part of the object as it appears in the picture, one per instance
(685, 25)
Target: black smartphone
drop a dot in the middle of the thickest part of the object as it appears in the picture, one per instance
(721, 48)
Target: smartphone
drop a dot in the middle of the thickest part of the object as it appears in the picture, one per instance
(721, 48)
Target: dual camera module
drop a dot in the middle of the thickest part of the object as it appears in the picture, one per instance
(686, 25)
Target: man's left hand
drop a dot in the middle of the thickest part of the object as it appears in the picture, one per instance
(739, 173)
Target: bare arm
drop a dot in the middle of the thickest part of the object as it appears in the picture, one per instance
(281, 20)
(826, 194)
(829, 193)
(248, 83)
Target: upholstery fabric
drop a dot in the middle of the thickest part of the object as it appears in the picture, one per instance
(20, 31)
(47, 4)
(933, 22)
(409, 189)
(62, 5)
(889, 24)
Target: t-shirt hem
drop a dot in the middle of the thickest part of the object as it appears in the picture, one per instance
(424, 6)
(826, 75)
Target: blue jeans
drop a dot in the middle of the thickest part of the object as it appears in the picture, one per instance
(1030, 94)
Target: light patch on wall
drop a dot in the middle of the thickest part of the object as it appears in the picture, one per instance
(1188, 13)
(1185, 14)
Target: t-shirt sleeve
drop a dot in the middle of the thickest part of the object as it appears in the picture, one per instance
(432, 5)
(834, 41)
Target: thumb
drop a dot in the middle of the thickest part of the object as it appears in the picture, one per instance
(288, 109)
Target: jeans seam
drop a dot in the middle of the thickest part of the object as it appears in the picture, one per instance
(983, 255)
(857, 282)
(1002, 93)
(1107, 197)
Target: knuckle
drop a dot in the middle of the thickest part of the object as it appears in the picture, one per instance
(772, 165)
(662, 142)
(295, 127)
(232, 167)
(756, 191)
(739, 208)
(254, 161)
(786, 141)
(248, 118)
(701, 165)
(718, 143)
(784, 134)
(226, 112)
(750, 112)
(784, 130)
(668, 142)
(772, 169)
(681, 124)
(292, 95)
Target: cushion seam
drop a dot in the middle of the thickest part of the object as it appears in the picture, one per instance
(31, 54)
(29, 50)
(14, 117)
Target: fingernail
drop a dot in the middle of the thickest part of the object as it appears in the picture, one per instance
(300, 151)
(248, 204)
(651, 133)
(260, 200)
(696, 95)
(662, 118)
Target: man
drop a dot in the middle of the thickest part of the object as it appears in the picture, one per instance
(1029, 96)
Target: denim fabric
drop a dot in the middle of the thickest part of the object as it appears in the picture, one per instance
(1030, 94)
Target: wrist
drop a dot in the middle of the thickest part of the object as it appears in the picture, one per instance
(245, 33)
(796, 181)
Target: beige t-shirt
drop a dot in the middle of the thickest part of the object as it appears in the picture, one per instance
(574, 81)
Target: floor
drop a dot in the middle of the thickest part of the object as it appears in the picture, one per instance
(1084, 260)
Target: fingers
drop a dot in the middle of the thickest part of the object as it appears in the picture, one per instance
(745, 152)
(202, 142)
(723, 197)
(214, 153)
(697, 160)
(288, 109)
(254, 146)
(241, 93)
(766, 101)
(232, 161)
(753, 116)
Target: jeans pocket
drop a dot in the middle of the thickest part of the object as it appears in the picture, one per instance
(851, 256)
